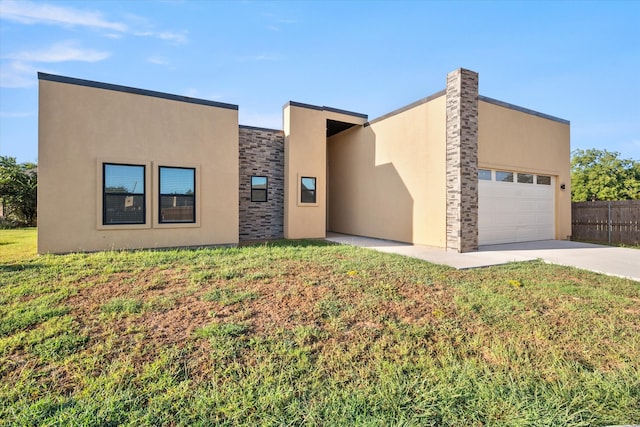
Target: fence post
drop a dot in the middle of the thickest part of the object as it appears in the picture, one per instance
(609, 220)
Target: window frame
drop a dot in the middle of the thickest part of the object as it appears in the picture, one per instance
(543, 176)
(527, 178)
(314, 191)
(198, 193)
(507, 173)
(266, 189)
(194, 196)
(100, 194)
(480, 178)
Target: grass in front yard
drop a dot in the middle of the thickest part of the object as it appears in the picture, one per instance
(309, 333)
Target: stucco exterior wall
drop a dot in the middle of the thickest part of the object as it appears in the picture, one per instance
(514, 140)
(80, 127)
(305, 130)
(305, 155)
(387, 179)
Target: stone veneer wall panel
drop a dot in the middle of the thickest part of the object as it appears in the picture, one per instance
(262, 154)
(462, 160)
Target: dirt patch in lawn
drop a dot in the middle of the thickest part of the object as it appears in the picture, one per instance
(301, 294)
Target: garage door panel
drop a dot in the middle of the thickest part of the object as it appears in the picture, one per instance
(515, 212)
(525, 220)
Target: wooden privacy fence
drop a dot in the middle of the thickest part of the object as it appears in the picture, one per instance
(611, 222)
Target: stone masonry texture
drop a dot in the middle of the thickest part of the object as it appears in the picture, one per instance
(261, 154)
(462, 160)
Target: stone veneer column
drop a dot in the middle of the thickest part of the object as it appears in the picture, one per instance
(462, 160)
(261, 153)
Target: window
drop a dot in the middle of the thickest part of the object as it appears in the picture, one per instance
(544, 180)
(177, 194)
(259, 188)
(504, 176)
(484, 174)
(308, 190)
(525, 178)
(123, 198)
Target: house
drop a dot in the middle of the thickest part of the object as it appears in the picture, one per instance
(128, 168)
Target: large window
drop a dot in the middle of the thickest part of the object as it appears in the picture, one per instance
(308, 190)
(123, 195)
(259, 188)
(177, 195)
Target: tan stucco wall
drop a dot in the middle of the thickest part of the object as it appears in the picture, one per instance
(513, 140)
(80, 126)
(387, 180)
(305, 148)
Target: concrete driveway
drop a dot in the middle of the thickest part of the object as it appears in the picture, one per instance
(613, 261)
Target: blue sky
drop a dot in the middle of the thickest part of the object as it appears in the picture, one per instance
(576, 60)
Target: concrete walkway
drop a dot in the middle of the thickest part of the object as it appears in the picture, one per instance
(612, 261)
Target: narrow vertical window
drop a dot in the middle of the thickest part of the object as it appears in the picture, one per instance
(177, 195)
(123, 194)
(308, 190)
(259, 185)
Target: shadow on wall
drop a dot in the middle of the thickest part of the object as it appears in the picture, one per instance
(363, 198)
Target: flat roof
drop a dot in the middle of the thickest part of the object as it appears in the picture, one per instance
(325, 108)
(199, 101)
(522, 109)
(480, 98)
(407, 107)
(260, 128)
(133, 90)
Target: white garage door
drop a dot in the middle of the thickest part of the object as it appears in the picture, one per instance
(515, 207)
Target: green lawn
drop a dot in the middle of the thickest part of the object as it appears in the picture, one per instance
(309, 333)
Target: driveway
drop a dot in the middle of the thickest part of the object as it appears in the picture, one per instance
(613, 261)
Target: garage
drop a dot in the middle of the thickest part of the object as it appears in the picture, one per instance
(515, 207)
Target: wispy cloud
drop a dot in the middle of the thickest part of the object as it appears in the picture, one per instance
(158, 60)
(27, 12)
(10, 115)
(34, 13)
(60, 52)
(16, 74)
(18, 70)
(177, 38)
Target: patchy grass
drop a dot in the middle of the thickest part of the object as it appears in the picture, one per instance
(309, 333)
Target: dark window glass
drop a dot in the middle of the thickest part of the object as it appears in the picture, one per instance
(544, 180)
(177, 195)
(308, 190)
(123, 200)
(259, 188)
(504, 176)
(484, 174)
(525, 178)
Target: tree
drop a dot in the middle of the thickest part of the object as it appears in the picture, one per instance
(18, 190)
(602, 175)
